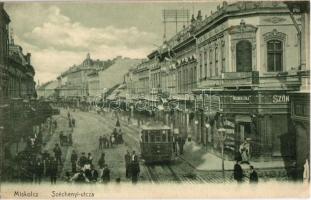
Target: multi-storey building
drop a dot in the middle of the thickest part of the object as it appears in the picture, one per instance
(4, 52)
(234, 71)
(21, 73)
(74, 82)
(248, 62)
(47, 90)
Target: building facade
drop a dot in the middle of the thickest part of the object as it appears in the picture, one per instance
(74, 82)
(232, 71)
(4, 51)
(21, 73)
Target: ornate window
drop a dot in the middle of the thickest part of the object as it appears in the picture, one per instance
(201, 60)
(243, 56)
(223, 57)
(216, 61)
(211, 62)
(275, 55)
(191, 78)
(205, 63)
(194, 76)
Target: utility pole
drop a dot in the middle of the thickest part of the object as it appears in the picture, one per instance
(222, 134)
(174, 16)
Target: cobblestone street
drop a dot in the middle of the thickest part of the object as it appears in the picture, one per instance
(91, 125)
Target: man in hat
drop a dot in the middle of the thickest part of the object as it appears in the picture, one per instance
(58, 153)
(253, 177)
(127, 159)
(74, 159)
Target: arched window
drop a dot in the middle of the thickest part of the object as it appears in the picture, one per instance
(244, 56)
(275, 55)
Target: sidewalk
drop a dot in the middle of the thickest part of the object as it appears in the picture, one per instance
(198, 157)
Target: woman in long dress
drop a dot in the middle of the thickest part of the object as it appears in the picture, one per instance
(244, 150)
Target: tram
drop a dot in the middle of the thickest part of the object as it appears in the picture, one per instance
(156, 143)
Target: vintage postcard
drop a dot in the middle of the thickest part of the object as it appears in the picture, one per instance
(154, 99)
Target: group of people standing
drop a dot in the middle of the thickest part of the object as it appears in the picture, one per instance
(115, 138)
(238, 173)
(178, 144)
(132, 168)
(242, 157)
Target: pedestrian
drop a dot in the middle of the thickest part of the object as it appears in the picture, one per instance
(70, 139)
(55, 124)
(306, 172)
(238, 172)
(53, 170)
(89, 158)
(61, 138)
(39, 170)
(73, 122)
(46, 160)
(244, 150)
(105, 141)
(106, 174)
(253, 177)
(238, 156)
(112, 140)
(93, 174)
(127, 159)
(135, 170)
(69, 123)
(82, 160)
(101, 161)
(134, 156)
(175, 145)
(74, 159)
(68, 115)
(100, 140)
(58, 153)
(181, 143)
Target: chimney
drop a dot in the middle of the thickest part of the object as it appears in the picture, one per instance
(28, 55)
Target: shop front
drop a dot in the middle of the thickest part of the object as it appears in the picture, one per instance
(259, 118)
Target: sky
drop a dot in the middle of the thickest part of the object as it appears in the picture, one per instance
(60, 34)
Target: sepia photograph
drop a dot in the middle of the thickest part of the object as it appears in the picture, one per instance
(154, 99)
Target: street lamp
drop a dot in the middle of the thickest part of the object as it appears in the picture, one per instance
(222, 138)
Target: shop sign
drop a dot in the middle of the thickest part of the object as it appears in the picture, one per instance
(280, 99)
(239, 99)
